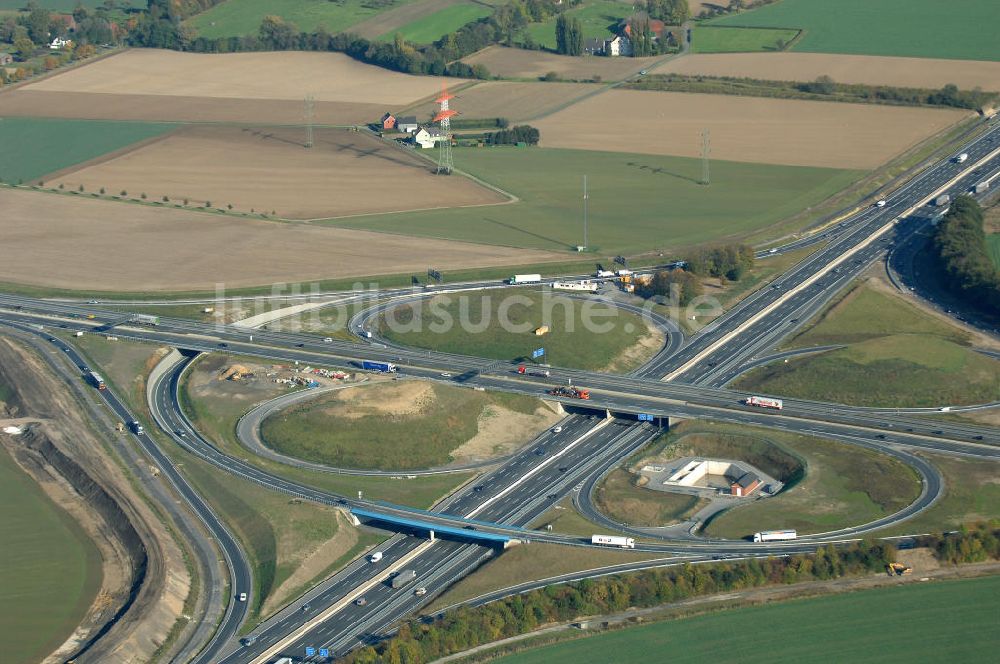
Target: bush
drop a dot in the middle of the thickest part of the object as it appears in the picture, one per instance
(960, 243)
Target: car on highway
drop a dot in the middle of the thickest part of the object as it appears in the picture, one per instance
(223, 345)
(420, 591)
(361, 601)
(445, 374)
(375, 557)
(556, 429)
(328, 340)
(539, 452)
(880, 203)
(242, 597)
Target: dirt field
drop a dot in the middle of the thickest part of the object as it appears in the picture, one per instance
(160, 108)
(519, 63)
(774, 131)
(868, 69)
(345, 173)
(289, 75)
(67, 242)
(514, 101)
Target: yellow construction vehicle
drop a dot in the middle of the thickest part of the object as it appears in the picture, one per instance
(897, 569)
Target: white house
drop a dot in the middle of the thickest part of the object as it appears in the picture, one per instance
(60, 43)
(428, 137)
(617, 45)
(408, 124)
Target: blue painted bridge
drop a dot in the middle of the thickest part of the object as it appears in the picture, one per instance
(432, 529)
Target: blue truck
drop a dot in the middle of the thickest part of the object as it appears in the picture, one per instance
(384, 367)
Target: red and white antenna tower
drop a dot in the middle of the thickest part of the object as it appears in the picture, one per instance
(445, 162)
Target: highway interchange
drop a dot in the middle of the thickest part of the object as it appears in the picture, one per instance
(520, 489)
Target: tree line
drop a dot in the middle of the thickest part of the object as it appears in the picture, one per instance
(513, 136)
(823, 88)
(466, 628)
(729, 262)
(976, 544)
(960, 246)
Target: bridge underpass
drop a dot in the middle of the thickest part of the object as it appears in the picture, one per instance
(415, 526)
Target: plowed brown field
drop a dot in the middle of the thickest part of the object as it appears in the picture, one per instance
(867, 69)
(344, 173)
(775, 131)
(70, 242)
(289, 75)
(519, 63)
(507, 99)
(163, 108)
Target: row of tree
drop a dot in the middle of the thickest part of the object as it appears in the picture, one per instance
(960, 243)
(469, 627)
(514, 135)
(569, 35)
(728, 261)
(975, 544)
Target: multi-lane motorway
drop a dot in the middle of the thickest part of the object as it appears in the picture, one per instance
(522, 488)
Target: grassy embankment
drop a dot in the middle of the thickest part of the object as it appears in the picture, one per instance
(917, 28)
(944, 621)
(637, 203)
(582, 334)
(217, 417)
(50, 571)
(339, 431)
(243, 17)
(619, 497)
(34, 147)
(431, 27)
(828, 485)
(896, 355)
(714, 39)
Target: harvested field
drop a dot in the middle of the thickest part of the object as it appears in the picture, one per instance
(514, 101)
(68, 242)
(774, 131)
(289, 75)
(344, 173)
(518, 63)
(162, 108)
(866, 69)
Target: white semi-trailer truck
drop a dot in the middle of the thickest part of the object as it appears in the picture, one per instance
(774, 535)
(519, 279)
(613, 540)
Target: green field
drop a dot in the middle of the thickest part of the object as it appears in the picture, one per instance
(583, 335)
(713, 39)
(428, 29)
(895, 356)
(598, 18)
(944, 621)
(68, 5)
(344, 433)
(834, 492)
(957, 29)
(619, 497)
(993, 245)
(637, 203)
(243, 17)
(33, 147)
(49, 570)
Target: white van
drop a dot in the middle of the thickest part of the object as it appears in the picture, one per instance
(375, 557)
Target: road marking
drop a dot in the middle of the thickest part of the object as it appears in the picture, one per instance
(340, 605)
(824, 271)
(603, 423)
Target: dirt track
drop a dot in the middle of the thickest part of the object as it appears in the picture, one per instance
(519, 63)
(344, 173)
(776, 131)
(867, 69)
(507, 99)
(66, 242)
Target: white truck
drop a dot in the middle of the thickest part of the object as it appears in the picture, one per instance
(774, 535)
(961, 158)
(764, 402)
(604, 274)
(624, 273)
(518, 279)
(586, 286)
(613, 540)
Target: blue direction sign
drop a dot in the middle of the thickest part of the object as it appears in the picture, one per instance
(324, 652)
(643, 417)
(310, 651)
(537, 353)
